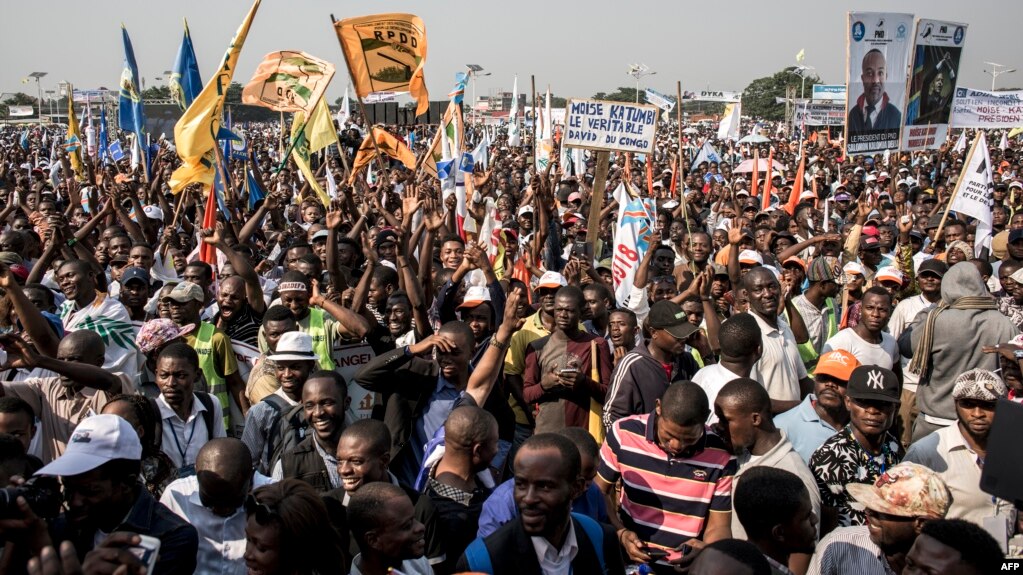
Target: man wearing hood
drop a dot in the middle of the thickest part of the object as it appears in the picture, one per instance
(947, 340)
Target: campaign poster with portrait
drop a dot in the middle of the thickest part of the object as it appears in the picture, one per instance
(932, 83)
(876, 75)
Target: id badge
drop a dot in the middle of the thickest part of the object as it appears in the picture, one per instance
(998, 527)
(186, 470)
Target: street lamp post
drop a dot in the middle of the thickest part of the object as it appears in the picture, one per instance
(37, 76)
(474, 71)
(995, 72)
(638, 71)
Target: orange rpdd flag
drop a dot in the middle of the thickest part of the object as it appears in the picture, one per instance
(766, 200)
(388, 145)
(386, 53)
(754, 186)
(797, 186)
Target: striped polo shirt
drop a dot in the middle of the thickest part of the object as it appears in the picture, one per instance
(666, 500)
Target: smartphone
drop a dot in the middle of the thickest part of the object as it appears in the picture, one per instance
(583, 251)
(147, 551)
(657, 554)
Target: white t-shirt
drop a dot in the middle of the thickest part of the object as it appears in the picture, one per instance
(711, 379)
(885, 354)
(902, 318)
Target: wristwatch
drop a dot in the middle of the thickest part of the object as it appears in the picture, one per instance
(1018, 354)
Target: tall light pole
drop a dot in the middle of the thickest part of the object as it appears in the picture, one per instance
(995, 72)
(639, 71)
(474, 71)
(37, 76)
(52, 94)
(801, 72)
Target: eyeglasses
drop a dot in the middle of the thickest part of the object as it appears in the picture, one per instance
(264, 513)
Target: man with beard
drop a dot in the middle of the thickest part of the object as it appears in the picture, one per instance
(293, 360)
(774, 508)
(99, 475)
(87, 308)
(240, 300)
(868, 341)
(314, 460)
(217, 361)
(543, 537)
(389, 535)
(780, 367)
(822, 413)
(559, 368)
(898, 504)
(79, 387)
(538, 325)
(957, 452)
(862, 450)
(134, 295)
(873, 111)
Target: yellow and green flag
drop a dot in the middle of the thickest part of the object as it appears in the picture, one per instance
(73, 145)
(195, 134)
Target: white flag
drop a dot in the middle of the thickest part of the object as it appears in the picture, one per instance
(331, 184)
(729, 127)
(973, 194)
(346, 110)
(481, 154)
(960, 143)
(1004, 143)
(707, 154)
(631, 240)
(514, 138)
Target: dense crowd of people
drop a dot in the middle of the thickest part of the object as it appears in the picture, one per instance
(790, 385)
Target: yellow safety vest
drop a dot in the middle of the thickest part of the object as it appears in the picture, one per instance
(321, 343)
(216, 385)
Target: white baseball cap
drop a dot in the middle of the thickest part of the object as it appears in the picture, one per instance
(153, 212)
(853, 268)
(475, 296)
(97, 440)
(552, 280)
(750, 257)
(294, 346)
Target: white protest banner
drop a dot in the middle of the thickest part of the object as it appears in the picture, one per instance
(712, 96)
(558, 116)
(20, 111)
(932, 84)
(979, 109)
(820, 114)
(973, 195)
(348, 359)
(631, 240)
(829, 92)
(876, 76)
(246, 355)
(660, 100)
(620, 126)
(380, 97)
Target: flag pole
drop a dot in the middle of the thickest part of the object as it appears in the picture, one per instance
(532, 82)
(681, 193)
(362, 106)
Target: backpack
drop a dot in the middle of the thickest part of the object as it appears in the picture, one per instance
(478, 556)
(207, 416)
(289, 428)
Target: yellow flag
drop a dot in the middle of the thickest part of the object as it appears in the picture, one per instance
(195, 134)
(388, 145)
(74, 139)
(321, 128)
(300, 153)
(386, 53)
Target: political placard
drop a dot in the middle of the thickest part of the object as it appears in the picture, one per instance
(973, 194)
(821, 113)
(829, 92)
(619, 126)
(979, 109)
(20, 111)
(712, 96)
(939, 46)
(876, 76)
(348, 359)
(660, 100)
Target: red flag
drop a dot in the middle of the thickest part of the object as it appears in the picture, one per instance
(797, 186)
(207, 252)
(754, 185)
(766, 201)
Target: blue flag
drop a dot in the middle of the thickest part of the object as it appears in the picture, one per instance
(256, 192)
(24, 139)
(185, 83)
(444, 169)
(468, 164)
(103, 146)
(116, 153)
(131, 115)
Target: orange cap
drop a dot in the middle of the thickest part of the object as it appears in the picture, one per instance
(838, 364)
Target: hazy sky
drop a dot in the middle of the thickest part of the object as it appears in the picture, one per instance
(579, 47)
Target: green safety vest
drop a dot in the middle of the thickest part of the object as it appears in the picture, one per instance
(321, 343)
(216, 385)
(807, 352)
